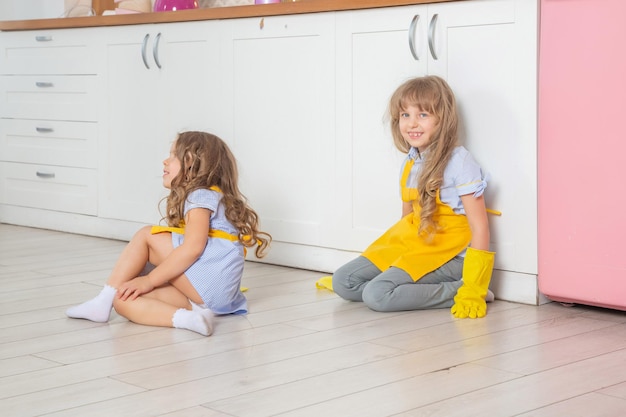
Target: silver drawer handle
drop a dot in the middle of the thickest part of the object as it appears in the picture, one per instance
(43, 84)
(44, 129)
(45, 174)
(155, 50)
(144, 45)
(41, 38)
(431, 36)
(412, 29)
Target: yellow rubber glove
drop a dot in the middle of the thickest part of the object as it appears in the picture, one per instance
(470, 298)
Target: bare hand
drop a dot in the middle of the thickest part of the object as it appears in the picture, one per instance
(134, 288)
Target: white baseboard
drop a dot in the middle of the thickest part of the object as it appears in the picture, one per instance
(506, 285)
(68, 222)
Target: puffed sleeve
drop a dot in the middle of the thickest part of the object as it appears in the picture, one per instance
(202, 198)
(470, 179)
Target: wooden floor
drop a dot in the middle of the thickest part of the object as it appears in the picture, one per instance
(299, 352)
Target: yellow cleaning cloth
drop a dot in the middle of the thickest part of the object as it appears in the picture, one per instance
(325, 282)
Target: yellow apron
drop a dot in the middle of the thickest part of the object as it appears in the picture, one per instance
(403, 248)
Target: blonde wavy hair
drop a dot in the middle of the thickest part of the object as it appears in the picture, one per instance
(431, 94)
(207, 161)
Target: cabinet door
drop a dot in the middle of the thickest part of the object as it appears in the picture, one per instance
(376, 51)
(486, 50)
(278, 75)
(133, 145)
(189, 93)
(159, 79)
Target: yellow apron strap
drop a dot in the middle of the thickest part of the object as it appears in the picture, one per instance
(161, 229)
(220, 234)
(408, 194)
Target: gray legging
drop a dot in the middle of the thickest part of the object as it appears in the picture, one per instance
(394, 289)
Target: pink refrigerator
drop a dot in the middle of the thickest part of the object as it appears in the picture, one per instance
(582, 152)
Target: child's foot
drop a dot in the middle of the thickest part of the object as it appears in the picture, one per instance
(194, 320)
(208, 314)
(97, 309)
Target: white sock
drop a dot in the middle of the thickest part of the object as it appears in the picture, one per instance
(193, 320)
(208, 314)
(490, 296)
(97, 309)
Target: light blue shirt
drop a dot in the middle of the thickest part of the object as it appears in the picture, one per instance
(462, 176)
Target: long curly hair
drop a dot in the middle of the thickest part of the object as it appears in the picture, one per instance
(431, 94)
(207, 161)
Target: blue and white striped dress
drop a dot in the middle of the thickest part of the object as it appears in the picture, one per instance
(216, 275)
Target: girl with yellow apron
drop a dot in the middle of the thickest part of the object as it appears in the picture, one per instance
(406, 268)
(402, 270)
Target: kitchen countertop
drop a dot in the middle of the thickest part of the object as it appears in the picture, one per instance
(261, 10)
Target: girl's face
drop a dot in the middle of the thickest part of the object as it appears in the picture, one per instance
(417, 127)
(171, 167)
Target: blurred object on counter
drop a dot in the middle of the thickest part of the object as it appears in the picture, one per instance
(99, 6)
(133, 6)
(266, 1)
(205, 4)
(78, 8)
(173, 5)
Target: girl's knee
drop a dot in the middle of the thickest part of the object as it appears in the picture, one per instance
(120, 307)
(376, 295)
(144, 232)
(341, 286)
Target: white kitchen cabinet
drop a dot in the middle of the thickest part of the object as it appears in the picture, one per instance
(278, 76)
(160, 80)
(49, 98)
(377, 50)
(300, 99)
(486, 50)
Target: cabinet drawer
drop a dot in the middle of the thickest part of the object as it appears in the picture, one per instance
(49, 187)
(48, 97)
(71, 144)
(47, 52)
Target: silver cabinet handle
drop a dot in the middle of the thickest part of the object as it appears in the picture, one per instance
(155, 50)
(44, 129)
(44, 84)
(412, 28)
(45, 174)
(41, 38)
(144, 45)
(431, 36)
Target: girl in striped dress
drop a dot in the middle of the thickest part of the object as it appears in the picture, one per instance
(197, 259)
